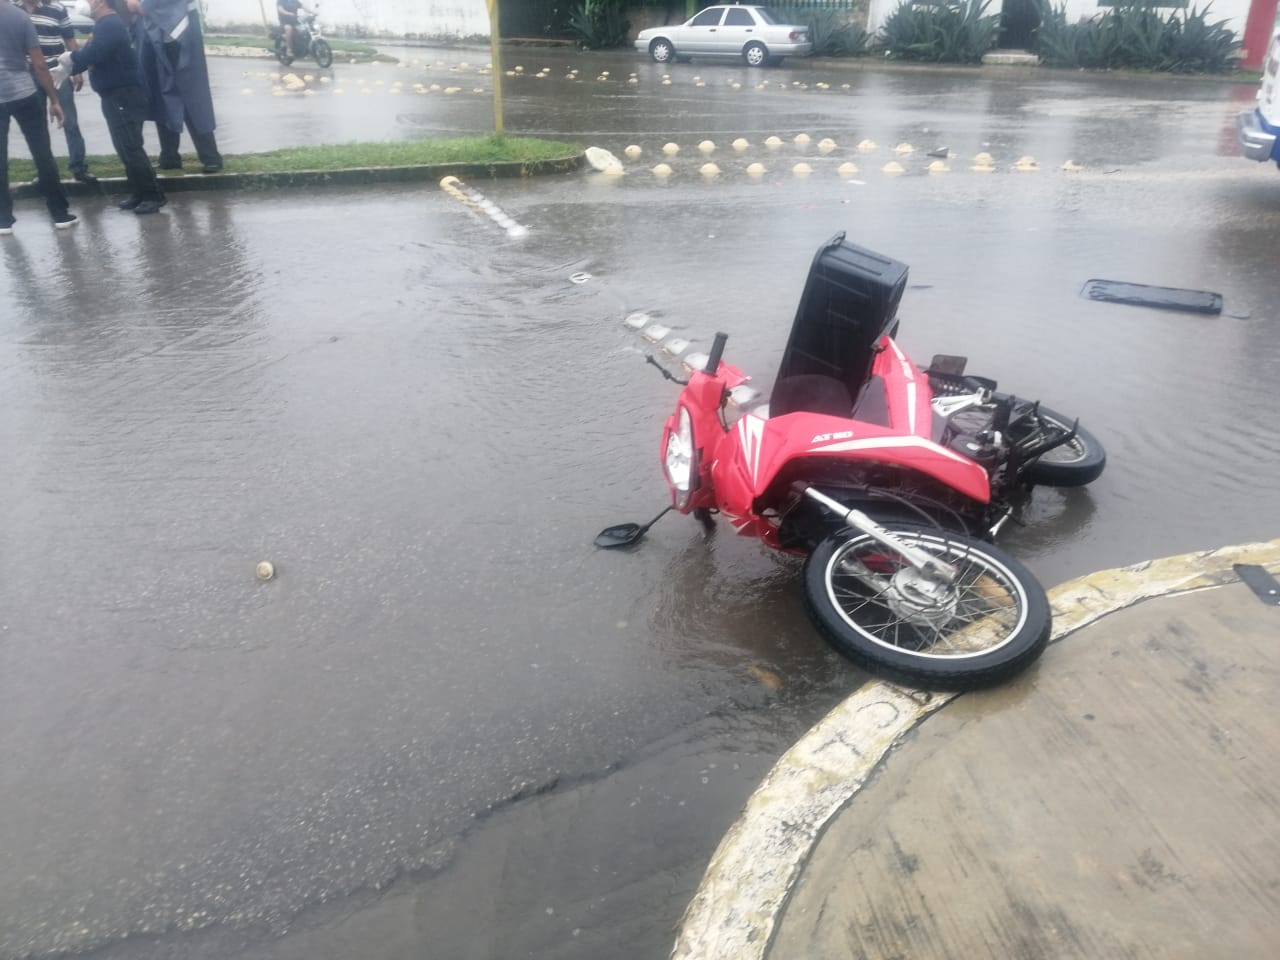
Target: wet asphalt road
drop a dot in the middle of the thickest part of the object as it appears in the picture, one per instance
(449, 727)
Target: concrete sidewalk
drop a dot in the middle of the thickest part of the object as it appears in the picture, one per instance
(1120, 799)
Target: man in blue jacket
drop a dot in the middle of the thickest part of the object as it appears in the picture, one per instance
(115, 75)
(20, 58)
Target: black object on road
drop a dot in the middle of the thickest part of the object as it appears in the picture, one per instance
(1259, 581)
(1141, 295)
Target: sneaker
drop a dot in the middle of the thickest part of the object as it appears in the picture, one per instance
(130, 203)
(148, 206)
(84, 176)
(6, 231)
(63, 221)
(168, 164)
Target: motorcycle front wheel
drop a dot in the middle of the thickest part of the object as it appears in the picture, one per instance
(989, 624)
(320, 50)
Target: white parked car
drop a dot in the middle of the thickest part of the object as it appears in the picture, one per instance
(1260, 127)
(756, 34)
(78, 13)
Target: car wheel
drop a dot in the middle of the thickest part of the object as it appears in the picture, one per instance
(755, 54)
(661, 50)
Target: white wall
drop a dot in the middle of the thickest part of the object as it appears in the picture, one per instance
(1235, 12)
(392, 18)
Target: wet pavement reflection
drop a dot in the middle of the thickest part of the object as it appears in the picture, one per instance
(422, 421)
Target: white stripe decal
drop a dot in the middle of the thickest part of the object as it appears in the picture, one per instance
(751, 435)
(909, 373)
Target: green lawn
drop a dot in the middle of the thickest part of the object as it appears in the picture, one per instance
(343, 156)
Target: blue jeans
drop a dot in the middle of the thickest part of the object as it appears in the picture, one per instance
(33, 121)
(71, 127)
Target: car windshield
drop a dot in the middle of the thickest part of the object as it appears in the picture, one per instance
(769, 16)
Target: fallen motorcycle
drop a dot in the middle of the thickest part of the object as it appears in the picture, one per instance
(892, 481)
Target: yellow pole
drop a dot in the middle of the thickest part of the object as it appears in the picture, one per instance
(496, 53)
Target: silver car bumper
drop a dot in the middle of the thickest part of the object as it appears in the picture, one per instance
(791, 49)
(1256, 143)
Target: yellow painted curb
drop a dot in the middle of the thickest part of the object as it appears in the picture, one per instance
(733, 913)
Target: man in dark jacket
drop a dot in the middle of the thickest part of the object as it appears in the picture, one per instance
(115, 75)
(170, 45)
(20, 58)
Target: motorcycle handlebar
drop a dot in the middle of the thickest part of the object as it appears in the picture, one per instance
(713, 359)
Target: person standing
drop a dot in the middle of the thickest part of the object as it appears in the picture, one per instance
(56, 34)
(170, 45)
(20, 59)
(116, 76)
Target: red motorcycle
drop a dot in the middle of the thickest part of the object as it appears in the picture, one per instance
(891, 480)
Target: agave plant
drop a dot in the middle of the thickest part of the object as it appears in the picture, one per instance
(1135, 36)
(959, 32)
(599, 24)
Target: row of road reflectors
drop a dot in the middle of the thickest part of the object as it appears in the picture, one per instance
(480, 203)
(678, 348)
(607, 163)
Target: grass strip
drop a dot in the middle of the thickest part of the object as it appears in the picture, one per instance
(346, 48)
(354, 155)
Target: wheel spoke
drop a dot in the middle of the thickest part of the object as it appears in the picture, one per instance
(978, 613)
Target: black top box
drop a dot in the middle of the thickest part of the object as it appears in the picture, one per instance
(850, 300)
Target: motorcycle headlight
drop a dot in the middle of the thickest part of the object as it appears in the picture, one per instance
(678, 461)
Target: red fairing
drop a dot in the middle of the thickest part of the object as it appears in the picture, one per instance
(752, 454)
(701, 397)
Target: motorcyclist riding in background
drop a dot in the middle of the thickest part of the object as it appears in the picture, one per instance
(287, 11)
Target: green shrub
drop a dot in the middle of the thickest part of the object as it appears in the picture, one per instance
(1134, 36)
(958, 32)
(600, 24)
(830, 31)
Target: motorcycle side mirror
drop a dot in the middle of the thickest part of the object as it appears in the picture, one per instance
(625, 534)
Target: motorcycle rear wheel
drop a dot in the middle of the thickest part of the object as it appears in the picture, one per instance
(320, 50)
(1077, 462)
(990, 624)
(281, 55)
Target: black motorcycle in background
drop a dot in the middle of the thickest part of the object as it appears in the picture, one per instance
(307, 41)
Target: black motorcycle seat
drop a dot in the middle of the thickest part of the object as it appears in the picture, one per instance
(810, 393)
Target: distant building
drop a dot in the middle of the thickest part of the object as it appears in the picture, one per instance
(425, 19)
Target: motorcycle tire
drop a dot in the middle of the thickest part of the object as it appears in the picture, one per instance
(320, 50)
(283, 57)
(1077, 462)
(987, 626)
